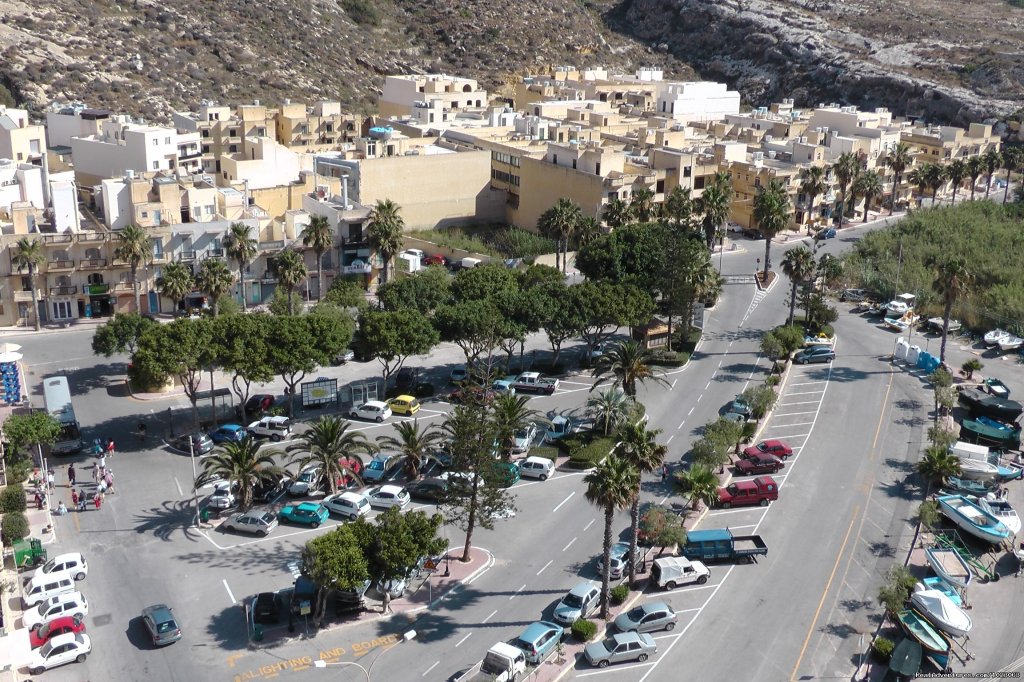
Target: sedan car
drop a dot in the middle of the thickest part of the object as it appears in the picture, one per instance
(306, 482)
(372, 410)
(267, 489)
(621, 648)
(619, 560)
(68, 648)
(826, 233)
(429, 489)
(159, 621)
(759, 464)
(404, 404)
(814, 354)
(458, 374)
(58, 626)
(267, 608)
(580, 602)
(201, 443)
(222, 496)
(382, 466)
(255, 522)
(228, 433)
(258, 404)
(779, 448)
(524, 438)
(655, 615)
(387, 496)
(308, 513)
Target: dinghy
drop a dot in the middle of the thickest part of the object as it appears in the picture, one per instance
(949, 565)
(941, 611)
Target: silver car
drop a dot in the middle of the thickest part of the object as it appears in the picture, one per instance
(621, 648)
(581, 601)
(256, 522)
(523, 439)
(649, 617)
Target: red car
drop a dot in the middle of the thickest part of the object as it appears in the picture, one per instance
(759, 464)
(57, 626)
(768, 447)
(761, 490)
(436, 259)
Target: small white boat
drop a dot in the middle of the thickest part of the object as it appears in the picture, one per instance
(941, 611)
(936, 324)
(903, 323)
(901, 305)
(995, 336)
(949, 565)
(978, 469)
(1011, 342)
(971, 518)
(937, 583)
(1002, 510)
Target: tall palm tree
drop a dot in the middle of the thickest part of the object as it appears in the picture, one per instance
(935, 177)
(243, 464)
(559, 223)
(610, 487)
(135, 248)
(938, 464)
(1013, 161)
(951, 282)
(29, 256)
(700, 483)
(291, 269)
(215, 279)
(771, 212)
(327, 445)
(898, 159)
(241, 246)
(992, 159)
(609, 409)
(642, 203)
(588, 230)
(798, 266)
(318, 237)
(679, 207)
(975, 167)
(618, 213)
(868, 185)
(713, 204)
(385, 229)
(628, 363)
(413, 442)
(956, 171)
(639, 446)
(176, 283)
(845, 169)
(918, 178)
(511, 413)
(812, 184)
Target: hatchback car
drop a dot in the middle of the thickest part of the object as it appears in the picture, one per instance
(759, 464)
(159, 621)
(775, 447)
(814, 354)
(347, 505)
(201, 443)
(826, 233)
(308, 513)
(67, 604)
(430, 489)
(267, 489)
(387, 496)
(72, 647)
(404, 404)
(538, 640)
(306, 482)
(372, 410)
(649, 617)
(267, 608)
(619, 560)
(222, 496)
(523, 439)
(70, 562)
(382, 466)
(255, 522)
(621, 648)
(536, 467)
(58, 626)
(458, 374)
(407, 377)
(228, 433)
(580, 602)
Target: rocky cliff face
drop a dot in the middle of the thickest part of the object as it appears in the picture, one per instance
(946, 60)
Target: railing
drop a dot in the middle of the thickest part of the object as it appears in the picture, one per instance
(57, 238)
(359, 269)
(187, 255)
(123, 286)
(215, 253)
(61, 265)
(86, 237)
(158, 257)
(93, 263)
(272, 246)
(63, 291)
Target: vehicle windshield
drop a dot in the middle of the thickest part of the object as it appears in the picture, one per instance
(46, 650)
(609, 644)
(521, 434)
(267, 518)
(573, 601)
(763, 447)
(48, 566)
(377, 464)
(44, 631)
(307, 476)
(636, 614)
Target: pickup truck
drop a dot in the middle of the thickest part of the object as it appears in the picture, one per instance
(721, 544)
(667, 572)
(533, 382)
(503, 663)
(761, 490)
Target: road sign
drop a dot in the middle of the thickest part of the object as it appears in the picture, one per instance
(697, 315)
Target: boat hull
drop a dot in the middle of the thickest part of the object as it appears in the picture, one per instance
(937, 583)
(933, 643)
(972, 519)
(950, 566)
(942, 612)
(995, 336)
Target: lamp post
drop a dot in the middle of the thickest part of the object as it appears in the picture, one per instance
(195, 490)
(407, 637)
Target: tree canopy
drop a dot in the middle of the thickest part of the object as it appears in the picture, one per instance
(392, 336)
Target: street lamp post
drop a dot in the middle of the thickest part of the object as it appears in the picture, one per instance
(407, 637)
(195, 489)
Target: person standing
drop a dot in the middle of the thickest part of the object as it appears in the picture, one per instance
(386, 599)
(102, 463)
(74, 498)
(110, 446)
(97, 500)
(82, 501)
(71, 475)
(50, 480)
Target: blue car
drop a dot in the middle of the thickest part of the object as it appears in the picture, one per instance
(827, 233)
(309, 513)
(228, 433)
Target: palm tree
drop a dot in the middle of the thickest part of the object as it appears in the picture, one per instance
(679, 207)
(413, 442)
(135, 248)
(846, 168)
(627, 363)
(243, 248)
(588, 230)
(511, 413)
(327, 444)
(609, 408)
(318, 237)
(869, 186)
(798, 266)
(610, 487)
(700, 483)
(642, 203)
(176, 282)
(1013, 161)
(559, 223)
(291, 269)
(956, 171)
(713, 204)
(812, 183)
(898, 159)
(951, 282)
(618, 213)
(935, 177)
(919, 179)
(938, 464)
(638, 445)
(771, 212)
(992, 159)
(243, 464)
(215, 279)
(30, 256)
(975, 167)
(385, 231)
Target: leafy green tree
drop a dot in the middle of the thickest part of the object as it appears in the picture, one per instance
(867, 185)
(22, 431)
(483, 282)
(918, 178)
(688, 276)
(135, 248)
(992, 160)
(661, 527)
(601, 310)
(245, 355)
(633, 254)
(611, 486)
(609, 409)
(956, 171)
(294, 352)
(771, 346)
(679, 209)
(414, 442)
(700, 484)
(120, 334)
(562, 319)
(709, 453)
(771, 212)
(798, 266)
(474, 326)
(724, 433)
(291, 269)
(898, 160)
(639, 446)
(560, 222)
(243, 464)
(539, 276)
(845, 169)
(176, 282)
(327, 445)
(29, 256)
(714, 204)
(243, 248)
(334, 561)
(423, 291)
(215, 280)
(627, 364)
(281, 301)
(392, 337)
(183, 349)
(319, 237)
(812, 185)
(618, 213)
(511, 413)
(642, 203)
(396, 541)
(761, 399)
(346, 293)
(385, 231)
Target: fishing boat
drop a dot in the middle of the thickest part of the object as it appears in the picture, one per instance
(995, 336)
(1011, 342)
(937, 583)
(936, 324)
(966, 486)
(1002, 510)
(903, 322)
(988, 431)
(900, 305)
(906, 658)
(933, 643)
(941, 611)
(1009, 474)
(949, 565)
(996, 388)
(978, 470)
(973, 519)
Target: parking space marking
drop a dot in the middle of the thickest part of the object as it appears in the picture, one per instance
(516, 593)
(673, 384)
(808, 383)
(545, 566)
(489, 616)
(670, 439)
(690, 412)
(231, 596)
(806, 392)
(792, 414)
(753, 525)
(564, 501)
(806, 402)
(178, 486)
(690, 589)
(699, 397)
(723, 512)
(797, 435)
(786, 426)
(619, 668)
(427, 671)
(707, 386)
(681, 424)
(459, 643)
(569, 545)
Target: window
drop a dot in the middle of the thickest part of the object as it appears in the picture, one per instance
(209, 209)
(156, 217)
(659, 188)
(26, 283)
(158, 248)
(156, 165)
(233, 148)
(95, 278)
(156, 142)
(145, 214)
(167, 140)
(206, 149)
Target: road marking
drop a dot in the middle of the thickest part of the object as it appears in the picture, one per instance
(786, 426)
(570, 544)
(57, 362)
(588, 525)
(490, 616)
(723, 512)
(707, 386)
(673, 384)
(178, 486)
(670, 439)
(468, 635)
(690, 589)
(545, 566)
(753, 525)
(793, 414)
(796, 435)
(808, 383)
(690, 412)
(617, 669)
(516, 593)
(699, 397)
(806, 392)
(681, 424)
(231, 596)
(427, 671)
(564, 501)
(806, 402)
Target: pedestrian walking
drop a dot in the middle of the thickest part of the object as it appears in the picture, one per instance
(74, 498)
(110, 446)
(102, 463)
(97, 500)
(39, 500)
(97, 446)
(664, 472)
(108, 480)
(386, 601)
(61, 509)
(50, 480)
(71, 475)
(82, 501)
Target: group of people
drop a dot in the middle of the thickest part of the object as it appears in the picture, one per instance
(102, 477)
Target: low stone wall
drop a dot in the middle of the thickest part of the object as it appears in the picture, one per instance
(431, 249)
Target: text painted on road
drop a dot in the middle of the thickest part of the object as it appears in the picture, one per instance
(272, 670)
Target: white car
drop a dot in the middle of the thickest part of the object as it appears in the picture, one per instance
(222, 497)
(70, 647)
(67, 604)
(255, 522)
(274, 428)
(523, 439)
(306, 482)
(373, 410)
(71, 562)
(348, 505)
(387, 496)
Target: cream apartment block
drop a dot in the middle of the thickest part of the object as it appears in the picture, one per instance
(402, 93)
(20, 140)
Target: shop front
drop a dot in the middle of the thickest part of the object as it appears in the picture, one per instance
(99, 302)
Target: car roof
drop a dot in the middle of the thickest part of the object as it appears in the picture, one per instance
(630, 636)
(159, 612)
(67, 555)
(652, 606)
(583, 588)
(230, 427)
(620, 547)
(404, 397)
(65, 597)
(374, 403)
(64, 638)
(350, 496)
(306, 506)
(536, 630)
(393, 489)
(775, 442)
(536, 458)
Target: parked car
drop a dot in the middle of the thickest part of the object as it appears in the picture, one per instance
(600, 349)
(580, 602)
(395, 587)
(538, 640)
(274, 428)
(67, 604)
(435, 259)
(649, 617)
(308, 513)
(61, 625)
(222, 496)
(258, 404)
(762, 490)
(345, 356)
(814, 354)
(267, 489)
(775, 447)
(201, 443)
(621, 648)
(387, 496)
(45, 585)
(473, 394)
(407, 377)
(381, 466)
(855, 295)
(503, 385)
(348, 505)
(73, 647)
(228, 433)
(458, 374)
(537, 467)
(524, 438)
(372, 410)
(430, 489)
(73, 563)
(826, 233)
(739, 406)
(404, 404)
(163, 628)
(619, 560)
(308, 481)
(255, 522)
(267, 608)
(759, 464)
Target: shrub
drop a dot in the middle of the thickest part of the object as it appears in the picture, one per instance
(619, 593)
(771, 346)
(749, 429)
(361, 11)
(827, 330)
(583, 629)
(773, 380)
(883, 648)
(761, 399)
(790, 336)
(686, 338)
(13, 527)
(12, 499)
(928, 513)
(670, 358)
(971, 366)
(590, 455)
(545, 451)
(940, 378)
(572, 443)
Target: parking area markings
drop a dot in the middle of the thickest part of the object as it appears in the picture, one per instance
(545, 566)
(793, 414)
(670, 439)
(707, 386)
(786, 426)
(806, 402)
(798, 435)
(491, 615)
(588, 525)
(468, 635)
(808, 383)
(569, 545)
(515, 594)
(564, 501)
(231, 596)
(427, 671)
(806, 392)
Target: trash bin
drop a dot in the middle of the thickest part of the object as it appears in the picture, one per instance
(204, 515)
(257, 633)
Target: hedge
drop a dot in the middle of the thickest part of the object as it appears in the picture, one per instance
(545, 451)
(590, 455)
(583, 629)
(669, 358)
(12, 499)
(13, 527)
(619, 593)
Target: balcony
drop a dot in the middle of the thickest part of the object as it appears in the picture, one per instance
(22, 295)
(63, 291)
(272, 246)
(123, 287)
(60, 265)
(92, 237)
(357, 268)
(92, 263)
(215, 253)
(159, 258)
(187, 255)
(57, 238)
(268, 278)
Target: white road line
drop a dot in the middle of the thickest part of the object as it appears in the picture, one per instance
(753, 525)
(690, 589)
(730, 343)
(427, 671)
(569, 545)
(564, 501)
(673, 384)
(178, 486)
(588, 525)
(796, 435)
(707, 386)
(793, 414)
(468, 635)
(617, 669)
(545, 566)
(489, 617)
(786, 426)
(516, 594)
(670, 439)
(681, 424)
(806, 402)
(230, 596)
(808, 383)
(806, 392)
(690, 412)
(719, 363)
(699, 397)
(723, 512)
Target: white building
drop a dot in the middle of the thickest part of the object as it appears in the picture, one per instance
(20, 182)
(123, 145)
(268, 164)
(73, 120)
(402, 93)
(698, 101)
(64, 199)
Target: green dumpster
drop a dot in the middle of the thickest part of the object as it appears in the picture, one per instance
(204, 515)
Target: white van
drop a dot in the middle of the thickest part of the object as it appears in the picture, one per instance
(42, 587)
(536, 467)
